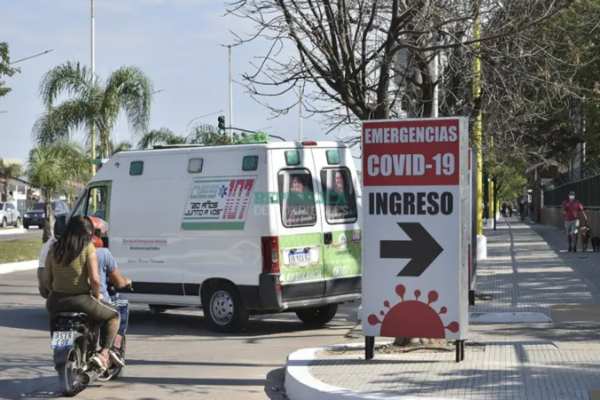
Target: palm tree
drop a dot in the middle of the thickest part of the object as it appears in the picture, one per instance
(115, 148)
(50, 168)
(8, 172)
(160, 136)
(93, 104)
(123, 146)
(202, 134)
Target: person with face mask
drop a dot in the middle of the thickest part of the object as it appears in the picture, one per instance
(571, 208)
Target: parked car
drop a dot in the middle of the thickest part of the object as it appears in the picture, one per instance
(37, 215)
(9, 215)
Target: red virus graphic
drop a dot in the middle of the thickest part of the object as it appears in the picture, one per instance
(413, 318)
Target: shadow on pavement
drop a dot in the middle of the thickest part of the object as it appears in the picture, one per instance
(274, 386)
(24, 318)
(195, 363)
(21, 376)
(192, 323)
(44, 387)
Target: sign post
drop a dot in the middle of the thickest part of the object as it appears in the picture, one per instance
(416, 214)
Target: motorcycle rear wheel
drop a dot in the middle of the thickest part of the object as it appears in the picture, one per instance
(69, 371)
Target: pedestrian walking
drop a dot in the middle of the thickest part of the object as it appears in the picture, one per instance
(522, 210)
(571, 208)
(509, 210)
(531, 210)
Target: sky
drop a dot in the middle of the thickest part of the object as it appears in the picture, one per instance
(177, 43)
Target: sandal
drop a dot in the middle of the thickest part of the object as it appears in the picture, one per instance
(116, 357)
(100, 361)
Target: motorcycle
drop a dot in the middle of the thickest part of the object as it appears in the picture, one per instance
(75, 340)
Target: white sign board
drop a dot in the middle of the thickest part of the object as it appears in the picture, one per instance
(415, 224)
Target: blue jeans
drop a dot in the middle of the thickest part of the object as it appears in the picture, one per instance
(122, 305)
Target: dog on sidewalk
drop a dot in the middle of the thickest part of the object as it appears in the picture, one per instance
(586, 234)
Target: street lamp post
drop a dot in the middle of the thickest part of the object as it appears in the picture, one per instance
(301, 98)
(202, 116)
(230, 96)
(93, 65)
(33, 56)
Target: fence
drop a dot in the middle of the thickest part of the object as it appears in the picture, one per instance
(583, 180)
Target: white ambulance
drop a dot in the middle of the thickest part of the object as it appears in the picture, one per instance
(238, 230)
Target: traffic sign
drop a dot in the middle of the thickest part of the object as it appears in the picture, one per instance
(416, 228)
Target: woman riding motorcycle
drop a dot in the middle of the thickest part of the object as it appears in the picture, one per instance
(70, 273)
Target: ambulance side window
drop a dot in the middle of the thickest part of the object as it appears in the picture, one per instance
(297, 198)
(97, 203)
(339, 194)
(80, 207)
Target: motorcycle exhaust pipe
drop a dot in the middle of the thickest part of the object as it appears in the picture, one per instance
(89, 376)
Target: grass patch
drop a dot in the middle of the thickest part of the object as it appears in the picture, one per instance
(20, 250)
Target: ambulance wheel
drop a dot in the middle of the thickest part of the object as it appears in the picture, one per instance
(224, 308)
(318, 316)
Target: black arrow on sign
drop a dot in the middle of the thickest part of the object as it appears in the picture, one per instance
(422, 249)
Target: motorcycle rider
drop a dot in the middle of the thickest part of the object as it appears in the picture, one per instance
(109, 272)
(70, 273)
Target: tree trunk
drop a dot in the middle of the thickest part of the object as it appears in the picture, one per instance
(49, 218)
(421, 106)
(106, 145)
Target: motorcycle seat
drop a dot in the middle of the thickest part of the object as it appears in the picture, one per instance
(71, 315)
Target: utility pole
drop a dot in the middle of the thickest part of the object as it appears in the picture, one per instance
(435, 72)
(93, 56)
(477, 126)
(230, 97)
(300, 107)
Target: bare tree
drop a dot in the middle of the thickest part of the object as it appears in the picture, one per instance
(539, 85)
(345, 50)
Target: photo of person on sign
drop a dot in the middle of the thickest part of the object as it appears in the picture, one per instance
(340, 196)
(299, 202)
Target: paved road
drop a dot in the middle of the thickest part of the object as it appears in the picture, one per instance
(32, 233)
(170, 356)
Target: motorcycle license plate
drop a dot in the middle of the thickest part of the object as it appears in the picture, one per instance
(63, 340)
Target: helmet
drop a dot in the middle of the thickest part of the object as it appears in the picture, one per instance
(100, 228)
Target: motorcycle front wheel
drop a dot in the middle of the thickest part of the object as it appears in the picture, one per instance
(68, 365)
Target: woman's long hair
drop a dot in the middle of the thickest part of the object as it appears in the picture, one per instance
(77, 236)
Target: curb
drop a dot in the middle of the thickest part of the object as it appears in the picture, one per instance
(301, 385)
(13, 231)
(18, 266)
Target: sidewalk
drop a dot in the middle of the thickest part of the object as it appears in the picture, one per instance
(527, 270)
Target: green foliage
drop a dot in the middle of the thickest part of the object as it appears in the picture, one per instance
(93, 103)
(160, 136)
(50, 168)
(9, 171)
(258, 137)
(510, 180)
(201, 134)
(512, 187)
(123, 146)
(5, 68)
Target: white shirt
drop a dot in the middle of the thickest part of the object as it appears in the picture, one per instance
(44, 252)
